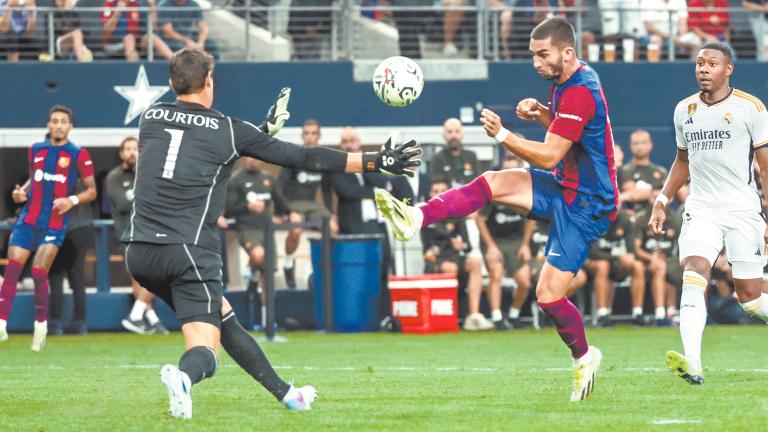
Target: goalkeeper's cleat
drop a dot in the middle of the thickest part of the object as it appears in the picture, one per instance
(405, 220)
(179, 391)
(584, 374)
(38, 336)
(300, 399)
(686, 367)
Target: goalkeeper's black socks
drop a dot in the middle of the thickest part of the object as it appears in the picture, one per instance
(246, 352)
(198, 363)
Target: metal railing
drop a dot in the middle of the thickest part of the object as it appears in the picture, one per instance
(248, 30)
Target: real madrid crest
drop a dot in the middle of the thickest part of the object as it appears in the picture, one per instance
(64, 162)
(727, 118)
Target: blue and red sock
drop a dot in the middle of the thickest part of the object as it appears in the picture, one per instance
(457, 202)
(42, 292)
(8, 288)
(569, 323)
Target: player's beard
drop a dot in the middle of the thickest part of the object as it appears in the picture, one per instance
(454, 144)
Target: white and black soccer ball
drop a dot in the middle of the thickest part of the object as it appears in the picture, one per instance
(398, 81)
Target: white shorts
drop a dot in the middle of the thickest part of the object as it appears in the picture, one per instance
(704, 233)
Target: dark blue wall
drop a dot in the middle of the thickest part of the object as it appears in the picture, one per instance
(639, 95)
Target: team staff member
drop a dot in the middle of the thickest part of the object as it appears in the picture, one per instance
(120, 193)
(253, 200)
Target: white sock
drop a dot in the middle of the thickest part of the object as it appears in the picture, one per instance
(601, 312)
(137, 312)
(693, 313)
(586, 358)
(637, 311)
(514, 313)
(288, 262)
(151, 316)
(41, 324)
(660, 312)
(3, 324)
(758, 307)
(496, 315)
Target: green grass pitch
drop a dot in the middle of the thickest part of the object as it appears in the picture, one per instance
(518, 380)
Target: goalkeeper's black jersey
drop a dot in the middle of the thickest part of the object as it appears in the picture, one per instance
(186, 153)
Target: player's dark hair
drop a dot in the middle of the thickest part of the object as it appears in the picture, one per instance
(61, 109)
(125, 141)
(559, 29)
(719, 46)
(189, 69)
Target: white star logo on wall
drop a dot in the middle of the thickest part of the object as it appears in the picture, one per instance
(141, 95)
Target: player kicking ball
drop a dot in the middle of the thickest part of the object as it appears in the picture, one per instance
(186, 154)
(579, 196)
(718, 132)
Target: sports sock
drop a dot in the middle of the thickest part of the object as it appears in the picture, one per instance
(758, 307)
(637, 311)
(8, 288)
(289, 260)
(151, 316)
(570, 326)
(198, 363)
(514, 313)
(457, 202)
(137, 311)
(660, 313)
(246, 352)
(601, 312)
(42, 292)
(496, 315)
(693, 313)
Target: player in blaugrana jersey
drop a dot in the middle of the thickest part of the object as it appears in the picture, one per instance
(578, 196)
(55, 165)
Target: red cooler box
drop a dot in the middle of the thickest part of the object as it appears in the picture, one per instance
(425, 303)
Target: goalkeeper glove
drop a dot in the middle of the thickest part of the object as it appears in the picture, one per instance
(278, 113)
(400, 160)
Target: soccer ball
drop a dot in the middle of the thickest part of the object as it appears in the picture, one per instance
(398, 81)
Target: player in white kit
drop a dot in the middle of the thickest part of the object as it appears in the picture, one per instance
(719, 131)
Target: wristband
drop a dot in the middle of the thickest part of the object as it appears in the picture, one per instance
(370, 162)
(501, 136)
(75, 200)
(663, 199)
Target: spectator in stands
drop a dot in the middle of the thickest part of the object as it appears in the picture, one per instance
(254, 200)
(68, 32)
(300, 189)
(453, 164)
(17, 27)
(182, 25)
(621, 19)
(611, 259)
(618, 157)
(710, 25)
(661, 258)
(667, 20)
(453, 19)
(70, 262)
(506, 238)
(758, 20)
(142, 319)
(446, 250)
(125, 32)
(410, 24)
(641, 179)
(309, 29)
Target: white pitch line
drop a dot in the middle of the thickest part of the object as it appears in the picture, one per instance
(674, 421)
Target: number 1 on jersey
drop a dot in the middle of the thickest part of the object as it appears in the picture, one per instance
(173, 152)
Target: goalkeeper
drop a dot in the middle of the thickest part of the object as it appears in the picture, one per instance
(186, 154)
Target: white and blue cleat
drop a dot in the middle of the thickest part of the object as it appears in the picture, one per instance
(300, 399)
(179, 391)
